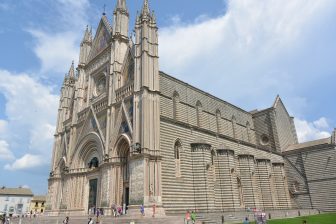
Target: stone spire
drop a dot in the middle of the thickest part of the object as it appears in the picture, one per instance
(87, 35)
(85, 46)
(71, 73)
(145, 8)
(121, 4)
(121, 19)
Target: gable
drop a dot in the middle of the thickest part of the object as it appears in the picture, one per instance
(101, 40)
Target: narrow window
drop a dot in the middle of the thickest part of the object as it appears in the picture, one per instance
(177, 150)
(176, 101)
(199, 111)
(218, 121)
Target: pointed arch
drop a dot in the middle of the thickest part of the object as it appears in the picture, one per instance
(89, 146)
(121, 147)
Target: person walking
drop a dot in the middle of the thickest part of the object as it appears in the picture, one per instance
(193, 217)
(142, 210)
(187, 217)
(246, 221)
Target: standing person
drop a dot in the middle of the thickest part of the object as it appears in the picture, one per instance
(187, 217)
(142, 210)
(246, 221)
(90, 221)
(193, 217)
(66, 220)
(154, 207)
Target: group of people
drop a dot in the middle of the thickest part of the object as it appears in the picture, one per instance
(190, 217)
(117, 210)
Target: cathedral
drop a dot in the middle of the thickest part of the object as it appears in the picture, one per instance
(129, 134)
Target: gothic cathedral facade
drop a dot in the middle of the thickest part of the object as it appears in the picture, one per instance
(129, 134)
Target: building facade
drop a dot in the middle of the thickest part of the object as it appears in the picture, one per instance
(15, 201)
(37, 204)
(128, 134)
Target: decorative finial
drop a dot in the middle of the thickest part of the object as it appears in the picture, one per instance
(104, 8)
(145, 9)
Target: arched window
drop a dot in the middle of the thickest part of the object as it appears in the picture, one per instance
(177, 151)
(218, 121)
(176, 101)
(199, 111)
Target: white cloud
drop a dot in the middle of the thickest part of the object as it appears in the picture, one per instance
(5, 153)
(321, 123)
(31, 109)
(3, 126)
(57, 47)
(308, 131)
(55, 51)
(28, 161)
(255, 40)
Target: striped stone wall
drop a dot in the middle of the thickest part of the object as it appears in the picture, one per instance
(317, 164)
(208, 180)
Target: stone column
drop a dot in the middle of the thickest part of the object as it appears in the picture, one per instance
(264, 175)
(201, 163)
(281, 186)
(225, 187)
(248, 180)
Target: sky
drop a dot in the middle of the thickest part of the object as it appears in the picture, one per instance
(245, 52)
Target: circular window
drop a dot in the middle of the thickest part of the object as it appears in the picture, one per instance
(100, 85)
(264, 139)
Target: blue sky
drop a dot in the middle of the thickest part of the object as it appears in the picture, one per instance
(245, 52)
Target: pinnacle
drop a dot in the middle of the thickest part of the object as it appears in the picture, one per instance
(72, 70)
(87, 35)
(145, 8)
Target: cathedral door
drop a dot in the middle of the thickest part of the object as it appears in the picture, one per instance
(92, 194)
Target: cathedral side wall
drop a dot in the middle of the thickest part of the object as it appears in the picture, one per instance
(210, 120)
(178, 192)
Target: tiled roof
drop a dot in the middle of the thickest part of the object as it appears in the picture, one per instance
(309, 144)
(39, 198)
(16, 191)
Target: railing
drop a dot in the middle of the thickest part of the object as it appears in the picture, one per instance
(124, 91)
(100, 105)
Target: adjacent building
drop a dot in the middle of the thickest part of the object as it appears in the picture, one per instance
(37, 204)
(128, 134)
(15, 201)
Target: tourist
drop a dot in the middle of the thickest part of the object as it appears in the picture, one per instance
(142, 210)
(66, 220)
(154, 207)
(193, 217)
(246, 221)
(90, 221)
(187, 217)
